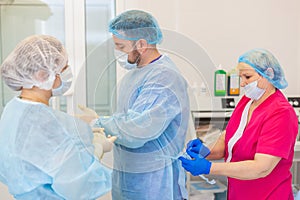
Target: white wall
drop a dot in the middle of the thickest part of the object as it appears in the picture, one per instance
(226, 29)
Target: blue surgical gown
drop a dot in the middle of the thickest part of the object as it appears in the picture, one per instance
(48, 154)
(151, 123)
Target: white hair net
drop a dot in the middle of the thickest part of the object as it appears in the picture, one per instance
(265, 63)
(34, 62)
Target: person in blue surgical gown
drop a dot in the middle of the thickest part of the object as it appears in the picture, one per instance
(45, 153)
(152, 114)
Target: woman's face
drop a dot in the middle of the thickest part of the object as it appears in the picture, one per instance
(248, 75)
(57, 80)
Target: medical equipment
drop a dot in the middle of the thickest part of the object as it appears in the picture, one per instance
(295, 102)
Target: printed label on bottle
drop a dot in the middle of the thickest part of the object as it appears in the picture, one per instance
(234, 81)
(220, 83)
(234, 85)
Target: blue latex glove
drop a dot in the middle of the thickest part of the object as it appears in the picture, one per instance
(197, 165)
(197, 146)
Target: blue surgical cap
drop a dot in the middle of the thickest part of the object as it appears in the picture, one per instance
(135, 25)
(266, 65)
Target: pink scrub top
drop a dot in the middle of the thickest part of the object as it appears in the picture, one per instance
(271, 130)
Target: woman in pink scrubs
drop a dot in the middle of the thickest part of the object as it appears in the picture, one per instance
(258, 143)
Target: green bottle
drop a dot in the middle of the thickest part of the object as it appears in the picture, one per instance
(220, 82)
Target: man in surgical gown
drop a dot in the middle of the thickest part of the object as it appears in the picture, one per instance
(45, 154)
(151, 117)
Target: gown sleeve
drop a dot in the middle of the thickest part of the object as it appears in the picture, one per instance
(154, 106)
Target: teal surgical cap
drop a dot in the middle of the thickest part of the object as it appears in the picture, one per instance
(266, 65)
(135, 25)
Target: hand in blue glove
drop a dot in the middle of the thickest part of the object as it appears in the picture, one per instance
(197, 165)
(196, 146)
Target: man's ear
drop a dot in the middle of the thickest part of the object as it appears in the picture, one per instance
(142, 46)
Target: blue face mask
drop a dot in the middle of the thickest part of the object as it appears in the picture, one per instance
(64, 86)
(66, 82)
(252, 91)
(122, 59)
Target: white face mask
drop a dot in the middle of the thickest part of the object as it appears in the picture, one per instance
(66, 78)
(122, 59)
(252, 91)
